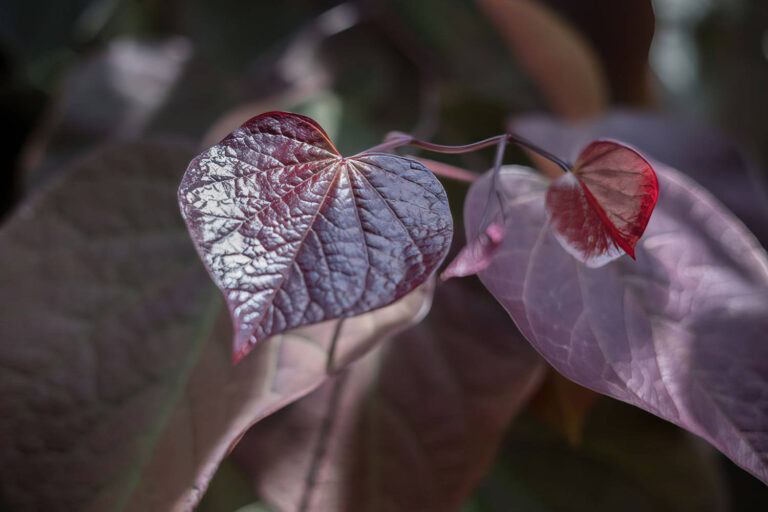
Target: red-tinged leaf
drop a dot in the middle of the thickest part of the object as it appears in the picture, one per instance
(413, 426)
(117, 390)
(476, 255)
(709, 157)
(680, 332)
(295, 234)
(600, 209)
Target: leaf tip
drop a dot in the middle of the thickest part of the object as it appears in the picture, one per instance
(240, 351)
(477, 255)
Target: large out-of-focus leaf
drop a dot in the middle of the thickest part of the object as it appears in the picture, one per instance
(626, 460)
(117, 390)
(680, 332)
(295, 234)
(413, 426)
(556, 57)
(707, 156)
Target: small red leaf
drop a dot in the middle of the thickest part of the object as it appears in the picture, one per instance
(600, 209)
(294, 234)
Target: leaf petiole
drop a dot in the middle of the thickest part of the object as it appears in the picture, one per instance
(398, 139)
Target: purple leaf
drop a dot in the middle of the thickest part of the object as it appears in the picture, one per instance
(680, 332)
(713, 160)
(294, 234)
(117, 390)
(413, 426)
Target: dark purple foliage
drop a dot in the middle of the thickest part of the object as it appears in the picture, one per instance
(294, 234)
(104, 306)
(680, 332)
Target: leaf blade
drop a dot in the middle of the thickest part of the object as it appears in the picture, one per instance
(647, 332)
(294, 234)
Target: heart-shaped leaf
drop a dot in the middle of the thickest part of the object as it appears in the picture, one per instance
(600, 209)
(294, 234)
(680, 332)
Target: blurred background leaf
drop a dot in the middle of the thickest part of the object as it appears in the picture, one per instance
(117, 380)
(558, 59)
(413, 426)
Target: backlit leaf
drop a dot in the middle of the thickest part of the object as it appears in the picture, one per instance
(599, 210)
(295, 234)
(680, 332)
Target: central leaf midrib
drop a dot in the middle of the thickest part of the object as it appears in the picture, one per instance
(299, 245)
